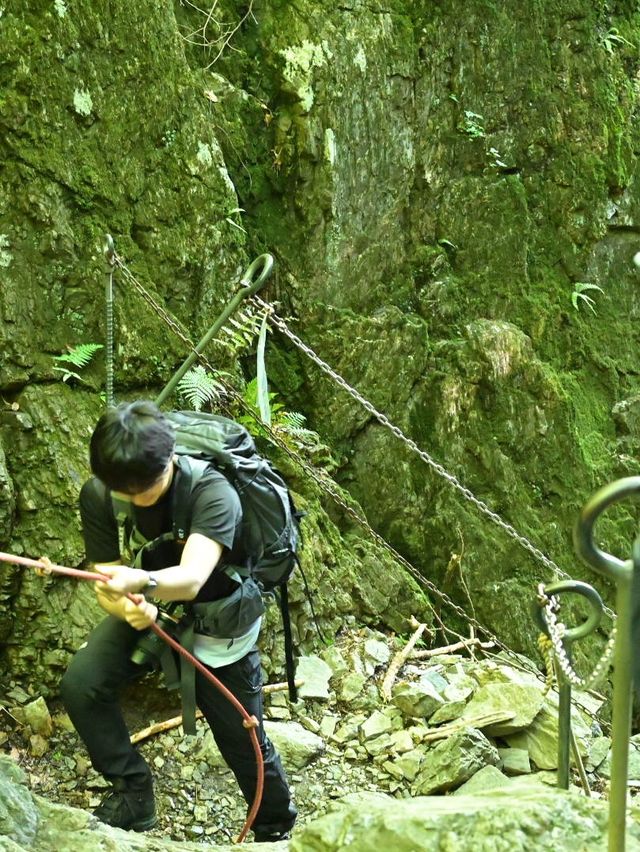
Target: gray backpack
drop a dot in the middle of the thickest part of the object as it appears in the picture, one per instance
(271, 523)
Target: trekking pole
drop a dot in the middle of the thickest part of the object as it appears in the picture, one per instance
(110, 262)
(248, 287)
(562, 640)
(622, 572)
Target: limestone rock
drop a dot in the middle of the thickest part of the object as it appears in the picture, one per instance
(633, 772)
(376, 652)
(348, 728)
(37, 716)
(351, 686)
(416, 700)
(453, 761)
(540, 739)
(515, 761)
(316, 674)
(18, 812)
(449, 711)
(334, 658)
(524, 700)
(297, 746)
(598, 751)
(487, 778)
(378, 723)
(540, 819)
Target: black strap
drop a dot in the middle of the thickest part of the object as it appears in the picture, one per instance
(181, 502)
(288, 642)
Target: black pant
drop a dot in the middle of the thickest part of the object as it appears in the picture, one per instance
(91, 689)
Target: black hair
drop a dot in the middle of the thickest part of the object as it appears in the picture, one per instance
(131, 446)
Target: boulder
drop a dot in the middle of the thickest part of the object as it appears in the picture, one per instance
(540, 739)
(315, 674)
(539, 819)
(522, 699)
(487, 778)
(453, 761)
(416, 700)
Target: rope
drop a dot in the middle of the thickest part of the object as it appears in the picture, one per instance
(322, 480)
(249, 722)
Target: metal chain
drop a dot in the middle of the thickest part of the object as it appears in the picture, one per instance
(557, 632)
(436, 466)
(321, 479)
(109, 339)
(148, 298)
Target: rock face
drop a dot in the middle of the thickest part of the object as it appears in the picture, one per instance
(444, 195)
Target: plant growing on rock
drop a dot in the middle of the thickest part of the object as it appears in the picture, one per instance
(79, 357)
(199, 388)
(472, 125)
(580, 295)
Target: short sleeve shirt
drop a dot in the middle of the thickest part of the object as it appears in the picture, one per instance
(215, 512)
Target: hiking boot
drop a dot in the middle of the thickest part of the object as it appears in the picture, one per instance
(267, 836)
(130, 808)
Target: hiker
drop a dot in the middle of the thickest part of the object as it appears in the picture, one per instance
(133, 462)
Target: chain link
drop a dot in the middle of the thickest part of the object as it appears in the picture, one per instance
(148, 298)
(557, 630)
(436, 466)
(328, 486)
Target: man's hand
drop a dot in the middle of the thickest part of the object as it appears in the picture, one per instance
(123, 580)
(140, 614)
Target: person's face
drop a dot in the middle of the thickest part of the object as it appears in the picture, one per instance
(150, 495)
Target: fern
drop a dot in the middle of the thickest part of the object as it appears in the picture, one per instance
(293, 423)
(79, 356)
(241, 330)
(199, 388)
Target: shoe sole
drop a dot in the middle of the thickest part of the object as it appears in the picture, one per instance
(144, 824)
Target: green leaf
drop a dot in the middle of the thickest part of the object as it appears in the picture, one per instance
(80, 355)
(68, 374)
(261, 375)
(199, 387)
(235, 224)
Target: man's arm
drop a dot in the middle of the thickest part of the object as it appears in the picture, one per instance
(177, 583)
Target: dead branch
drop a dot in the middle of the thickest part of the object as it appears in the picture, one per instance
(400, 659)
(168, 724)
(463, 645)
(473, 722)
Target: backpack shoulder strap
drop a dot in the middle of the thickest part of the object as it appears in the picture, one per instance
(188, 474)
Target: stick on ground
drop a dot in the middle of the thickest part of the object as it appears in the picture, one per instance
(400, 659)
(451, 649)
(168, 724)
